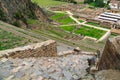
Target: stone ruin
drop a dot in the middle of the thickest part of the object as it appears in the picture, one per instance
(43, 57)
(41, 61)
(44, 49)
(110, 58)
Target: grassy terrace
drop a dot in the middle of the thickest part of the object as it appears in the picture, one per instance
(86, 45)
(85, 30)
(32, 21)
(62, 18)
(49, 3)
(68, 28)
(81, 21)
(95, 24)
(55, 33)
(9, 40)
(91, 32)
(58, 15)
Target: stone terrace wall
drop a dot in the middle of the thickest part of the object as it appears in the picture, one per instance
(102, 23)
(92, 20)
(44, 49)
(111, 55)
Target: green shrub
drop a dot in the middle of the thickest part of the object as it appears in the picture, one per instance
(16, 23)
(88, 1)
(19, 16)
(2, 16)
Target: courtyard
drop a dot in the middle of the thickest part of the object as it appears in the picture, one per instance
(62, 18)
(72, 25)
(85, 31)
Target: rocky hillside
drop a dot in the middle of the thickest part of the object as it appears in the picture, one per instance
(111, 55)
(18, 11)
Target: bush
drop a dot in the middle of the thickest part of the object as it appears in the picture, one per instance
(16, 23)
(19, 16)
(2, 16)
(99, 3)
(95, 3)
(88, 1)
(32, 15)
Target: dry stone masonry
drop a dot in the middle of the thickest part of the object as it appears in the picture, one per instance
(40, 62)
(111, 55)
(44, 49)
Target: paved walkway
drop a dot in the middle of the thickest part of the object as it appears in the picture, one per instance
(71, 67)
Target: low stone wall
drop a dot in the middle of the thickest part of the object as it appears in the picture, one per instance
(116, 31)
(44, 49)
(107, 24)
(101, 23)
(93, 20)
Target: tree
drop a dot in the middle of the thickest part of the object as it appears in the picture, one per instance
(2, 16)
(108, 2)
(99, 3)
(88, 1)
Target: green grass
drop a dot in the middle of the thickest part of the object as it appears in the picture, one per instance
(9, 40)
(81, 2)
(85, 30)
(58, 15)
(62, 18)
(68, 28)
(49, 3)
(91, 32)
(81, 21)
(92, 4)
(32, 21)
(96, 24)
(56, 33)
(67, 20)
(93, 23)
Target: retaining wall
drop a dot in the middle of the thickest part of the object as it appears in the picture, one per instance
(101, 23)
(44, 49)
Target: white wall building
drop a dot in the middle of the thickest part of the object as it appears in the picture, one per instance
(110, 17)
(114, 4)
